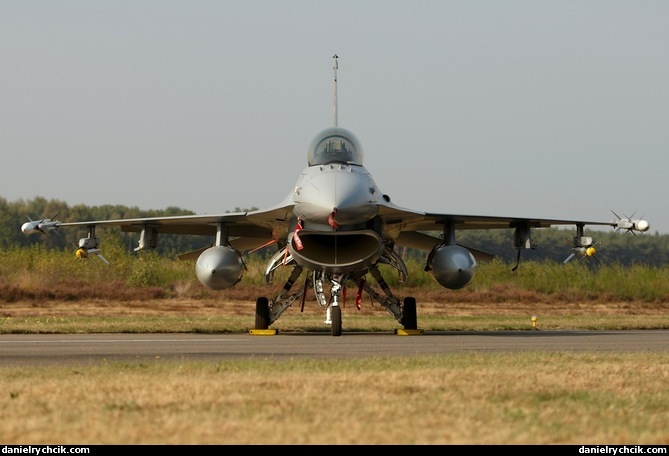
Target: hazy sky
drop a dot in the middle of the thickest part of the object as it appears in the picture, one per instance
(556, 109)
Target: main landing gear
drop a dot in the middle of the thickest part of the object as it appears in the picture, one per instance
(268, 312)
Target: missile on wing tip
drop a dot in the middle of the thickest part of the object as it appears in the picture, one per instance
(633, 225)
(39, 226)
(630, 224)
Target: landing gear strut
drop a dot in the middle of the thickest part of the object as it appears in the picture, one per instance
(268, 312)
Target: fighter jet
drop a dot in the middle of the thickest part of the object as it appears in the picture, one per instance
(334, 230)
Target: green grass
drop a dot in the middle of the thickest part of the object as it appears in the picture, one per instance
(51, 291)
(34, 273)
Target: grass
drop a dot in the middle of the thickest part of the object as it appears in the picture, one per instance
(170, 315)
(530, 398)
(464, 398)
(34, 274)
(519, 398)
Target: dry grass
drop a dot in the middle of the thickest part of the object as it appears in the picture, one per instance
(528, 398)
(226, 315)
(536, 398)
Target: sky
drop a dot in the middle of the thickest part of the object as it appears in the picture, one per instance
(552, 109)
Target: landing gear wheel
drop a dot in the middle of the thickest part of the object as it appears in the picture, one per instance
(335, 315)
(262, 313)
(409, 318)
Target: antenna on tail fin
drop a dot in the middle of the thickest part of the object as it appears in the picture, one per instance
(335, 65)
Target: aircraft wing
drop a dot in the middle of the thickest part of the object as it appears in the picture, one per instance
(247, 230)
(427, 230)
(476, 222)
(253, 229)
(411, 220)
(407, 226)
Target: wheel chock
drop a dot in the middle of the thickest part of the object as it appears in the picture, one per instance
(408, 332)
(263, 332)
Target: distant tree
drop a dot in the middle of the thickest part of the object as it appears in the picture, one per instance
(552, 243)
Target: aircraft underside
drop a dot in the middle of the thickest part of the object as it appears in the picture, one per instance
(268, 312)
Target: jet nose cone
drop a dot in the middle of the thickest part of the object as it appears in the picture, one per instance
(343, 196)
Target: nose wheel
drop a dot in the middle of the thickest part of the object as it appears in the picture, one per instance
(335, 320)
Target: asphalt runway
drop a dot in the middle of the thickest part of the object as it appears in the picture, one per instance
(87, 349)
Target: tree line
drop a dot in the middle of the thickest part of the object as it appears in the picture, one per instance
(553, 243)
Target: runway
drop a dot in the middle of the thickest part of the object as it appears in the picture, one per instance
(66, 349)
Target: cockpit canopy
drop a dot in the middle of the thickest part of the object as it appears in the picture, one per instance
(335, 145)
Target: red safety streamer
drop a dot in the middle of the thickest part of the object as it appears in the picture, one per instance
(331, 219)
(296, 237)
